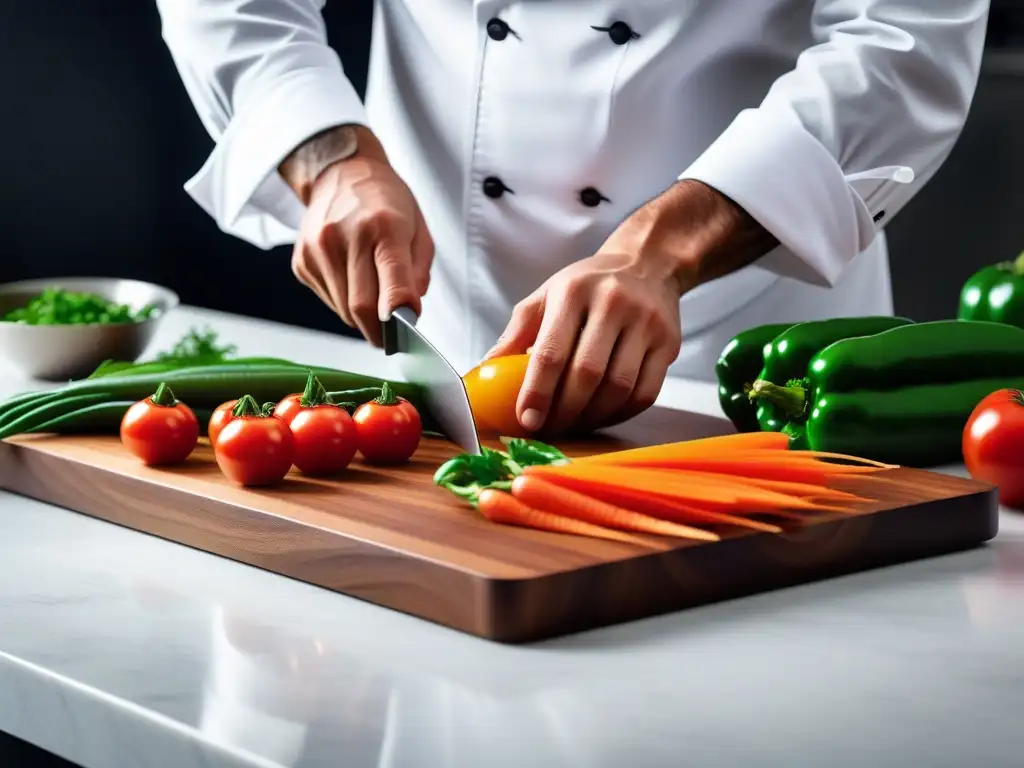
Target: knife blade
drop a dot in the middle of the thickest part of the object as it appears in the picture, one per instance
(444, 392)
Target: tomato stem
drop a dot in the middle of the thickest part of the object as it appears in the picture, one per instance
(315, 394)
(164, 396)
(387, 395)
(1017, 396)
(246, 406)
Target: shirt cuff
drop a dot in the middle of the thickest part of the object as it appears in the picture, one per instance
(773, 168)
(239, 186)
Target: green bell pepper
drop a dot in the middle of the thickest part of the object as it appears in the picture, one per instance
(786, 358)
(902, 396)
(995, 293)
(738, 367)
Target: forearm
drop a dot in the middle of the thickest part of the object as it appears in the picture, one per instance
(694, 234)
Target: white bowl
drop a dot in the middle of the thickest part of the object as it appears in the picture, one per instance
(61, 352)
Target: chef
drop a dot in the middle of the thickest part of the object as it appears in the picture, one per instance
(621, 185)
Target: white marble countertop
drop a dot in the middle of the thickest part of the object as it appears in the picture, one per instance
(121, 650)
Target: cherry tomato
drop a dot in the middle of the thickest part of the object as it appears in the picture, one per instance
(255, 449)
(219, 419)
(289, 407)
(493, 388)
(325, 439)
(993, 444)
(388, 428)
(160, 429)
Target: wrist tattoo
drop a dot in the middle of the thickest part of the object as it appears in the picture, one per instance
(311, 158)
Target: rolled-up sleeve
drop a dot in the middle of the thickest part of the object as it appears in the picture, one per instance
(262, 79)
(847, 137)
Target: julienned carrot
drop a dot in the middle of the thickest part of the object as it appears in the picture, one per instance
(702, 489)
(771, 465)
(660, 507)
(803, 490)
(706, 446)
(501, 507)
(539, 494)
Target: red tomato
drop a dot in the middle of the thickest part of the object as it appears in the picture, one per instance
(255, 450)
(388, 433)
(219, 419)
(160, 433)
(289, 407)
(493, 389)
(993, 444)
(325, 439)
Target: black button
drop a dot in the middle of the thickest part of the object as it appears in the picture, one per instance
(495, 187)
(620, 32)
(497, 29)
(878, 216)
(591, 198)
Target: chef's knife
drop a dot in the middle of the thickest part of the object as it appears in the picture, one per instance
(444, 394)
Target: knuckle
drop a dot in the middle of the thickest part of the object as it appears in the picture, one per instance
(548, 357)
(615, 298)
(390, 257)
(588, 370)
(325, 239)
(620, 383)
(535, 397)
(362, 306)
(379, 223)
(644, 399)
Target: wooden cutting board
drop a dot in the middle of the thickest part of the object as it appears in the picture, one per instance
(389, 536)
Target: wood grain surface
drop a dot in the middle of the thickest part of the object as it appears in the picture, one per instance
(389, 536)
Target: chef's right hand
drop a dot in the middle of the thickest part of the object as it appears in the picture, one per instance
(363, 246)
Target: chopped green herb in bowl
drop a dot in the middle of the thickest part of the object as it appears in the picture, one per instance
(57, 306)
(63, 328)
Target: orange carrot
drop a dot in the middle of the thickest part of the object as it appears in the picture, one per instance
(501, 507)
(658, 506)
(803, 490)
(771, 465)
(724, 444)
(700, 488)
(549, 497)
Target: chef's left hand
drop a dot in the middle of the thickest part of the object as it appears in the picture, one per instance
(605, 330)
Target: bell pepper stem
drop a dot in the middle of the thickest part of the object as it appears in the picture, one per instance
(1018, 265)
(791, 400)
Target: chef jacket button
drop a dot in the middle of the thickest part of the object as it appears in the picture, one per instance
(495, 187)
(591, 198)
(498, 29)
(620, 32)
(878, 216)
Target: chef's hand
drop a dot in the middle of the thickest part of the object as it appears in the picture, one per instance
(605, 330)
(363, 246)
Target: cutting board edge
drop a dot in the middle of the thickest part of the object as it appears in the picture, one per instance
(980, 526)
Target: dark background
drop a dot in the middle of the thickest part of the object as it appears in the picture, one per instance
(98, 138)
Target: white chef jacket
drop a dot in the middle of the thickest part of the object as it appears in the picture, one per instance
(528, 131)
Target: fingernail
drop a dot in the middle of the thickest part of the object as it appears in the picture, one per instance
(533, 419)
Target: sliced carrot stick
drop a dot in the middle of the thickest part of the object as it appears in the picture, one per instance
(699, 488)
(502, 507)
(660, 507)
(804, 490)
(768, 441)
(538, 493)
(772, 465)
